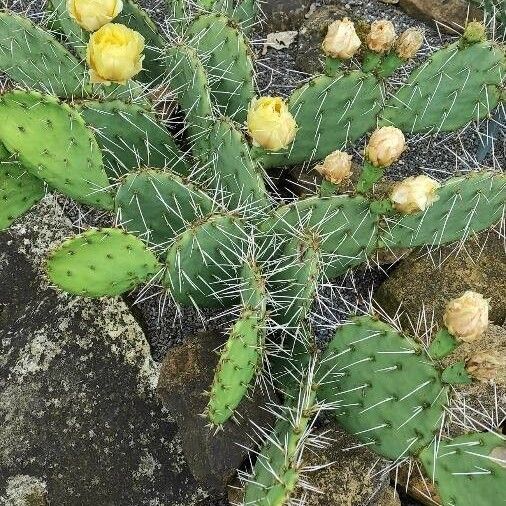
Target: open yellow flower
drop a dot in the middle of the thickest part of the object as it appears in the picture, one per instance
(93, 14)
(270, 123)
(114, 54)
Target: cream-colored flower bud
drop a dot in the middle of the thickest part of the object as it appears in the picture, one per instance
(386, 146)
(336, 167)
(270, 123)
(342, 40)
(381, 37)
(114, 54)
(498, 455)
(466, 317)
(487, 366)
(93, 14)
(409, 43)
(414, 194)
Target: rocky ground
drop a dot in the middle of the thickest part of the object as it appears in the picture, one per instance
(82, 419)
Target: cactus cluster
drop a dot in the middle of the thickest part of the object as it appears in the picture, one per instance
(197, 215)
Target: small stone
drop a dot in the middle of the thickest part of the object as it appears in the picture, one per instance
(451, 14)
(186, 373)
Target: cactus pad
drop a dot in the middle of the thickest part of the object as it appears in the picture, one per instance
(391, 397)
(226, 56)
(188, 80)
(330, 112)
(130, 137)
(465, 205)
(468, 470)
(202, 262)
(158, 205)
(53, 143)
(32, 57)
(231, 170)
(101, 262)
(342, 227)
(19, 191)
(454, 86)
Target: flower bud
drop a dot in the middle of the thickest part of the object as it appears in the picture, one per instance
(382, 36)
(409, 43)
(386, 146)
(414, 194)
(487, 366)
(114, 54)
(336, 167)
(93, 14)
(466, 317)
(270, 123)
(475, 32)
(342, 40)
(498, 455)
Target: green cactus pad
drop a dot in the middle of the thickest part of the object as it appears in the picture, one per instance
(278, 467)
(53, 143)
(32, 57)
(330, 112)
(158, 205)
(231, 170)
(188, 80)
(244, 13)
(226, 56)
(454, 86)
(59, 20)
(19, 191)
(252, 288)
(202, 262)
(391, 396)
(239, 362)
(343, 228)
(101, 262)
(136, 18)
(465, 205)
(131, 137)
(468, 470)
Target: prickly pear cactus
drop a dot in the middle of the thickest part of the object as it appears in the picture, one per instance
(392, 397)
(101, 262)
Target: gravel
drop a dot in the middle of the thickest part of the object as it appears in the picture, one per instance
(437, 156)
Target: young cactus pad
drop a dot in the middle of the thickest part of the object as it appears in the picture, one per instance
(157, 205)
(19, 190)
(226, 56)
(131, 137)
(465, 205)
(456, 85)
(468, 470)
(391, 396)
(32, 57)
(51, 140)
(330, 112)
(101, 262)
(202, 262)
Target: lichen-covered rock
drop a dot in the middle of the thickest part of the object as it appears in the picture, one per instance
(24, 490)
(77, 404)
(429, 281)
(186, 373)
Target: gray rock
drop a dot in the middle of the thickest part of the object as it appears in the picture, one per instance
(283, 15)
(451, 14)
(77, 404)
(23, 490)
(186, 373)
(429, 281)
(310, 57)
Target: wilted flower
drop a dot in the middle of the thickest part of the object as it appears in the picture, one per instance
(414, 194)
(114, 54)
(336, 167)
(385, 147)
(93, 14)
(409, 43)
(466, 317)
(489, 365)
(342, 40)
(270, 123)
(382, 36)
